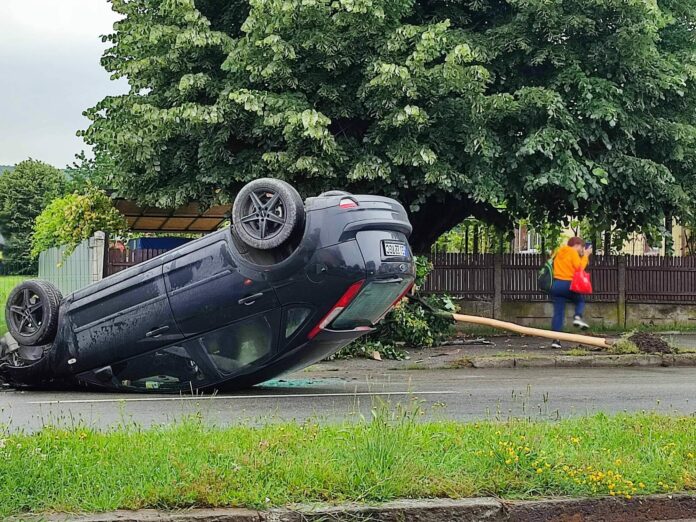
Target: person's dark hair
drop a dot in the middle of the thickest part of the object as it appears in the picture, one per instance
(575, 241)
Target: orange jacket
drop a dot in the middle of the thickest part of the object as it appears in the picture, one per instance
(567, 262)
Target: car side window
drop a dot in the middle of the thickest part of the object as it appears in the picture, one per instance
(295, 317)
(240, 344)
(171, 368)
(202, 360)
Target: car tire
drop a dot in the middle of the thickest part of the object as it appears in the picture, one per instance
(31, 312)
(267, 212)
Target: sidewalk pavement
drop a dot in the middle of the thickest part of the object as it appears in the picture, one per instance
(515, 351)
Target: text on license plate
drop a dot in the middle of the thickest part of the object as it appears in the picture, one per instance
(394, 249)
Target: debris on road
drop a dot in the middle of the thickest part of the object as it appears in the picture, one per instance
(650, 343)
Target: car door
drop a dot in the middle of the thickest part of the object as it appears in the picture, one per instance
(125, 316)
(207, 291)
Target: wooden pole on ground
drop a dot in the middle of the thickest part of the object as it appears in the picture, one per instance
(533, 332)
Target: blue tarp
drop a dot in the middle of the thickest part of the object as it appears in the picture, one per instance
(157, 243)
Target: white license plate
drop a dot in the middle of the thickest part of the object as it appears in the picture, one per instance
(394, 249)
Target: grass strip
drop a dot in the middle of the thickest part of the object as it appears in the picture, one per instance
(392, 456)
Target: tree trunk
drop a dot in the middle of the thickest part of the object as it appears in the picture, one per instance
(607, 242)
(437, 217)
(669, 239)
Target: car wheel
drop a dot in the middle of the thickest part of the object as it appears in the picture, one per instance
(31, 312)
(267, 212)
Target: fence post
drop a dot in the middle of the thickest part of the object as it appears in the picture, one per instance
(621, 302)
(95, 256)
(497, 286)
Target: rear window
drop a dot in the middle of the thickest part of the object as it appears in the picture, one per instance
(370, 304)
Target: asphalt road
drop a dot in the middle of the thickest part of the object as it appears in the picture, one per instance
(331, 396)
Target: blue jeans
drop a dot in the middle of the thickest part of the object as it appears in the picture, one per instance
(561, 294)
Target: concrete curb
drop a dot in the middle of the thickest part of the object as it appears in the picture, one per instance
(650, 508)
(585, 361)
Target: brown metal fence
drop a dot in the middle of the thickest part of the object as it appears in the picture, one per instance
(661, 279)
(636, 279)
(119, 260)
(469, 276)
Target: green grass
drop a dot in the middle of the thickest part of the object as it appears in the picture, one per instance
(391, 457)
(578, 352)
(7, 283)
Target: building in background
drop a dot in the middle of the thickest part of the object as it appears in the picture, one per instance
(527, 241)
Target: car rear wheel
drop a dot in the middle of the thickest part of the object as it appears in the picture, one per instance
(267, 212)
(31, 312)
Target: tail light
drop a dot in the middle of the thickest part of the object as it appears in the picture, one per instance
(340, 305)
(348, 203)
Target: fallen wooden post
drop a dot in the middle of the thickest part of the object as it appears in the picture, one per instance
(533, 332)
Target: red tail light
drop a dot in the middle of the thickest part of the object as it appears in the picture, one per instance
(348, 203)
(340, 305)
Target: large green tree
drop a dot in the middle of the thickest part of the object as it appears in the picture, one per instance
(492, 108)
(24, 193)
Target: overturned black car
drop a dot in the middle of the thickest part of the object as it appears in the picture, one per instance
(289, 283)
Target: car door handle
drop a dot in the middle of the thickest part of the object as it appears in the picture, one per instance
(250, 300)
(157, 331)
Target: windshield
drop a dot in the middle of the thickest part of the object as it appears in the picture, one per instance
(371, 304)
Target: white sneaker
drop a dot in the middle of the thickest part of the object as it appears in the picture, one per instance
(556, 345)
(579, 323)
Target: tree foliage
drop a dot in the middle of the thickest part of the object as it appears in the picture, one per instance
(492, 108)
(86, 172)
(24, 193)
(68, 221)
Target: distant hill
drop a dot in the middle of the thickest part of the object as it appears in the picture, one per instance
(3, 168)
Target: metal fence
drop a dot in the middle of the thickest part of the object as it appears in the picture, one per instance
(513, 277)
(82, 267)
(119, 260)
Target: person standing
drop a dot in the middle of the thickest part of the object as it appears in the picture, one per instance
(569, 259)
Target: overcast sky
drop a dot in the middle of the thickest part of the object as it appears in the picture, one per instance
(49, 74)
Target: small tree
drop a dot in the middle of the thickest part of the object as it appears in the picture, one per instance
(24, 193)
(69, 220)
(98, 171)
